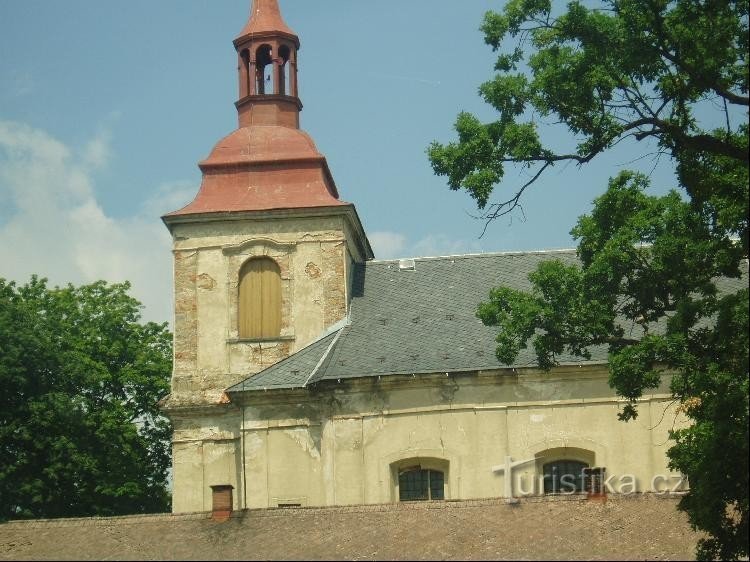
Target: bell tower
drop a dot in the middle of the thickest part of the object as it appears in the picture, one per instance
(267, 56)
(264, 253)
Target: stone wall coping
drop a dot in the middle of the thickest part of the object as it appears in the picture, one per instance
(290, 511)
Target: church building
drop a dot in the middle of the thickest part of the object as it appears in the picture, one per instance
(307, 373)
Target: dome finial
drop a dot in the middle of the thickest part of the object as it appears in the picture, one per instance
(265, 17)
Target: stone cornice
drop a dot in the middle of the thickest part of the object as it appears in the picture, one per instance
(348, 212)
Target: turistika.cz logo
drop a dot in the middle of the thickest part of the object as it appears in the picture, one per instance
(596, 481)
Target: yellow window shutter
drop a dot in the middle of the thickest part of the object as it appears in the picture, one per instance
(259, 303)
(270, 299)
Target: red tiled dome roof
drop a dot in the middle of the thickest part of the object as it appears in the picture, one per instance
(261, 168)
(262, 143)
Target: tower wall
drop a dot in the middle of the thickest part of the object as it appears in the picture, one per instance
(266, 193)
(313, 255)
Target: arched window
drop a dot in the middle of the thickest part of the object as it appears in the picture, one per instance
(245, 78)
(417, 483)
(259, 303)
(263, 75)
(564, 476)
(284, 54)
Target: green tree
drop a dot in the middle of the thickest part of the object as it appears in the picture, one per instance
(660, 278)
(80, 377)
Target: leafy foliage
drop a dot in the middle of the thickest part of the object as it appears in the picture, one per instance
(632, 69)
(660, 280)
(80, 377)
(656, 285)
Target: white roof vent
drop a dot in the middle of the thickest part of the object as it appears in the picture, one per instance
(407, 265)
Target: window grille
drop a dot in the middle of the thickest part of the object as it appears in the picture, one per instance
(593, 480)
(421, 485)
(564, 476)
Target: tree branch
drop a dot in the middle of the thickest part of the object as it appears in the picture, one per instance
(697, 78)
(501, 209)
(707, 143)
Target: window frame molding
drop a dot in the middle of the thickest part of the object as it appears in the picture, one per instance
(236, 256)
(589, 457)
(424, 463)
(569, 447)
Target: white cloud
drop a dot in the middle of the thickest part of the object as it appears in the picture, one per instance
(442, 245)
(51, 223)
(391, 245)
(98, 151)
(168, 197)
(387, 245)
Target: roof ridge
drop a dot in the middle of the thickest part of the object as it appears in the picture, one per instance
(478, 255)
(286, 359)
(324, 356)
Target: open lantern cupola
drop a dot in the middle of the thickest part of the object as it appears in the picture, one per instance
(267, 163)
(267, 52)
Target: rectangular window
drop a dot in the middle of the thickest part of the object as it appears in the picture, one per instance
(564, 476)
(421, 485)
(259, 302)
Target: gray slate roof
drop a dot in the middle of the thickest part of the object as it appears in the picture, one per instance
(414, 321)
(292, 372)
(423, 321)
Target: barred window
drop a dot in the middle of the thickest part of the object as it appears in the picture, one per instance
(421, 484)
(564, 476)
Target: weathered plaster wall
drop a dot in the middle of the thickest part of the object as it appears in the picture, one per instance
(207, 450)
(312, 253)
(341, 445)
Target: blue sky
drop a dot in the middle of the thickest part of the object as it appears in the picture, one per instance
(106, 107)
